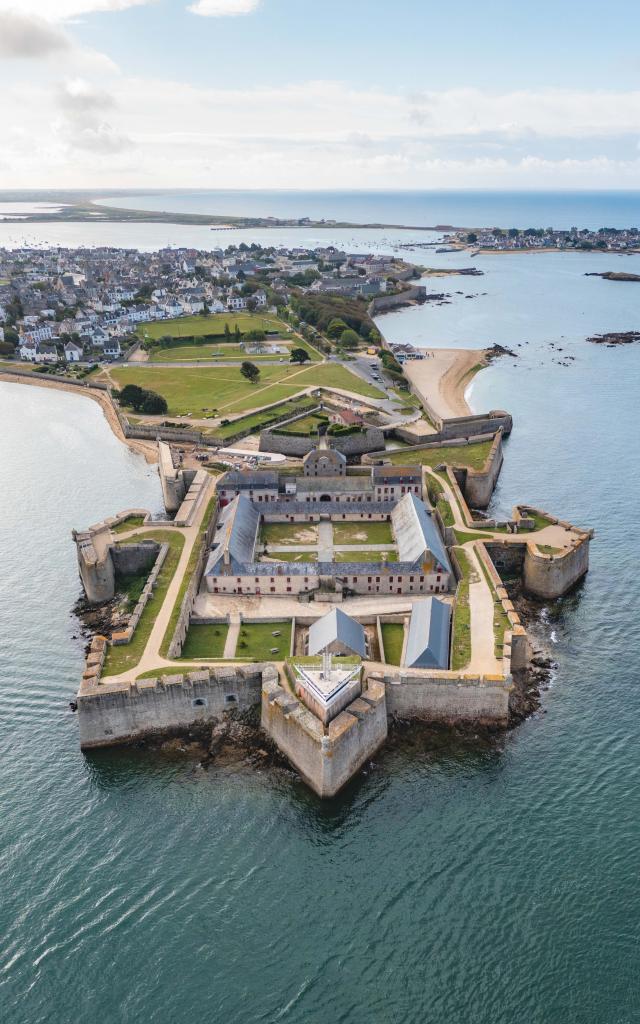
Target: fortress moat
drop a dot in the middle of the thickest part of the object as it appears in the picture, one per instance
(332, 596)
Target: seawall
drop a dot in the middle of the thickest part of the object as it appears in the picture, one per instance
(119, 713)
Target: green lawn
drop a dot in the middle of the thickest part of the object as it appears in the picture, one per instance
(462, 537)
(197, 326)
(196, 390)
(539, 520)
(289, 533)
(291, 556)
(195, 353)
(366, 556)
(120, 659)
(129, 523)
(547, 549)
(259, 420)
(362, 533)
(461, 630)
(393, 639)
(472, 455)
(256, 640)
(205, 641)
(306, 425)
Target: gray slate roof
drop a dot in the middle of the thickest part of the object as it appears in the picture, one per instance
(236, 532)
(416, 531)
(428, 637)
(336, 625)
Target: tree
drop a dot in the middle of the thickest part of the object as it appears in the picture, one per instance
(472, 238)
(299, 355)
(349, 339)
(227, 333)
(252, 304)
(250, 371)
(153, 404)
(335, 327)
(237, 333)
(132, 395)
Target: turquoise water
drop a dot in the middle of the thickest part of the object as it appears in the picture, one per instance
(459, 880)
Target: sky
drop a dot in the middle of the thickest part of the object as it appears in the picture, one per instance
(409, 94)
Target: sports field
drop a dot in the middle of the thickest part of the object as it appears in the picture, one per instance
(196, 390)
(197, 326)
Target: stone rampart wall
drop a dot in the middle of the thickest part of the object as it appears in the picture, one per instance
(383, 303)
(448, 697)
(549, 576)
(111, 714)
(326, 758)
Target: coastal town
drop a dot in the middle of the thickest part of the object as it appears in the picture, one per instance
(621, 240)
(85, 305)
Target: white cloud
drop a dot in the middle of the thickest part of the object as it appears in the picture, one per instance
(28, 36)
(59, 10)
(315, 134)
(223, 8)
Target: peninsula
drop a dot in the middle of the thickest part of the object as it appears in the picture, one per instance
(325, 558)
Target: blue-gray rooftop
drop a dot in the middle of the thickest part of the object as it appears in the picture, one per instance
(428, 635)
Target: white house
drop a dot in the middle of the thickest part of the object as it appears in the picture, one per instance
(111, 348)
(72, 352)
(28, 351)
(236, 302)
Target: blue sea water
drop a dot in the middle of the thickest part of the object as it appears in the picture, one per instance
(463, 208)
(459, 880)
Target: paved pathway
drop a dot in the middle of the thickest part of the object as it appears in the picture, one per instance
(231, 643)
(325, 541)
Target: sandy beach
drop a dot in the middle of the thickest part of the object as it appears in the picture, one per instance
(442, 378)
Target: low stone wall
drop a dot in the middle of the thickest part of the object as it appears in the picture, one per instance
(55, 378)
(112, 714)
(370, 440)
(326, 758)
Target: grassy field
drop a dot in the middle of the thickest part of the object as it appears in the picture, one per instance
(258, 420)
(362, 533)
(472, 455)
(128, 524)
(393, 639)
(307, 425)
(391, 555)
(205, 641)
(195, 353)
(291, 556)
(539, 520)
(120, 659)
(197, 326)
(196, 390)
(461, 630)
(289, 533)
(256, 640)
